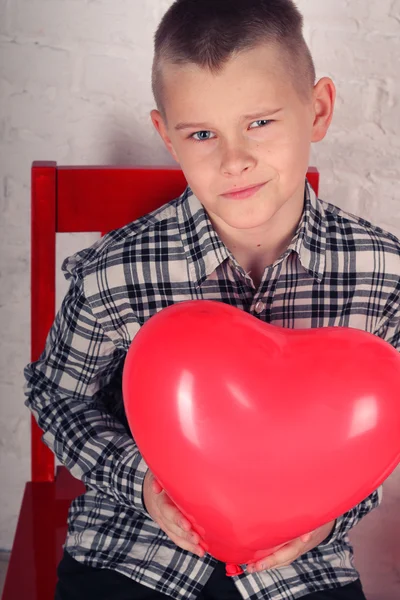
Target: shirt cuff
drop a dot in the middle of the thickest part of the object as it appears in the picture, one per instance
(128, 480)
(348, 520)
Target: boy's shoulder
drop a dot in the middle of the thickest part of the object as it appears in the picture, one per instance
(346, 229)
(151, 229)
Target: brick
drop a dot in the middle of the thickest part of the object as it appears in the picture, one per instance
(361, 101)
(28, 65)
(333, 14)
(106, 74)
(353, 55)
(67, 23)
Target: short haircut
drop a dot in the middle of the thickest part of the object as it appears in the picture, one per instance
(208, 33)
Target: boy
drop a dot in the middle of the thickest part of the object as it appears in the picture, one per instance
(238, 108)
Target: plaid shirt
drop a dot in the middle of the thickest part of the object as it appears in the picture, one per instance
(339, 270)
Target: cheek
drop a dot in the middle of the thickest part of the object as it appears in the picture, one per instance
(294, 151)
(198, 176)
(198, 164)
(290, 160)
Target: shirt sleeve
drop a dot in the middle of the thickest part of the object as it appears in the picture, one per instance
(60, 388)
(349, 519)
(390, 332)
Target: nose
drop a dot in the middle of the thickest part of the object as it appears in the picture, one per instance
(236, 159)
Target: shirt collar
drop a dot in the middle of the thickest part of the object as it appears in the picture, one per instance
(205, 251)
(309, 241)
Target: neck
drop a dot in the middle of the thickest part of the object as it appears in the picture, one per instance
(259, 247)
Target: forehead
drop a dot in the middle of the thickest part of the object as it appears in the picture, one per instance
(257, 76)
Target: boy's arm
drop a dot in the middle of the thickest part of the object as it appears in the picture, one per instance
(349, 519)
(389, 330)
(60, 387)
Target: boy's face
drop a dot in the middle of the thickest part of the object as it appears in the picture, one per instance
(247, 125)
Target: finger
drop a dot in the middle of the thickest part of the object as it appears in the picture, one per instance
(156, 486)
(285, 555)
(306, 537)
(176, 523)
(189, 536)
(185, 544)
(287, 564)
(175, 532)
(173, 515)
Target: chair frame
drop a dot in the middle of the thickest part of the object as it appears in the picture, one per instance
(70, 199)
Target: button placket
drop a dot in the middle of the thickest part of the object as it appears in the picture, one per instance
(263, 307)
(260, 307)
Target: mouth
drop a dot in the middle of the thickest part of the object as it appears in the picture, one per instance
(243, 192)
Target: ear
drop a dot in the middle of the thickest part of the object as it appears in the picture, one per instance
(324, 95)
(161, 127)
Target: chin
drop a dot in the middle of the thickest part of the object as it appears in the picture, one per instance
(244, 217)
(250, 222)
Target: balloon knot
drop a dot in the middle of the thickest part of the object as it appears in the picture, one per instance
(232, 570)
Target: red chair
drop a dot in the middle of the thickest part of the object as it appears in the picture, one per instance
(70, 199)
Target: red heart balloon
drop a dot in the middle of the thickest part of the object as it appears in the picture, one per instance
(259, 433)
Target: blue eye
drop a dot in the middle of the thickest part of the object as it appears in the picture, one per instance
(262, 123)
(203, 136)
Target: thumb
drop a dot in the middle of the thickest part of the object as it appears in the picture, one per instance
(157, 487)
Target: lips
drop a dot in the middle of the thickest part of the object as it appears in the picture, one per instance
(243, 192)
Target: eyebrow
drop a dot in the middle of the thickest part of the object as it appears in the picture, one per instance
(206, 126)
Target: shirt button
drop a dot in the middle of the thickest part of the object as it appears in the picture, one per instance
(259, 307)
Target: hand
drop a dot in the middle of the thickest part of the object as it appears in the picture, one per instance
(165, 513)
(292, 550)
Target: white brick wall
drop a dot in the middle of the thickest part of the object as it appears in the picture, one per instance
(75, 87)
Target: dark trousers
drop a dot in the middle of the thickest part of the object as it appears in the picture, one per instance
(79, 582)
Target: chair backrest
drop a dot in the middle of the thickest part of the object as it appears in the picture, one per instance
(85, 199)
